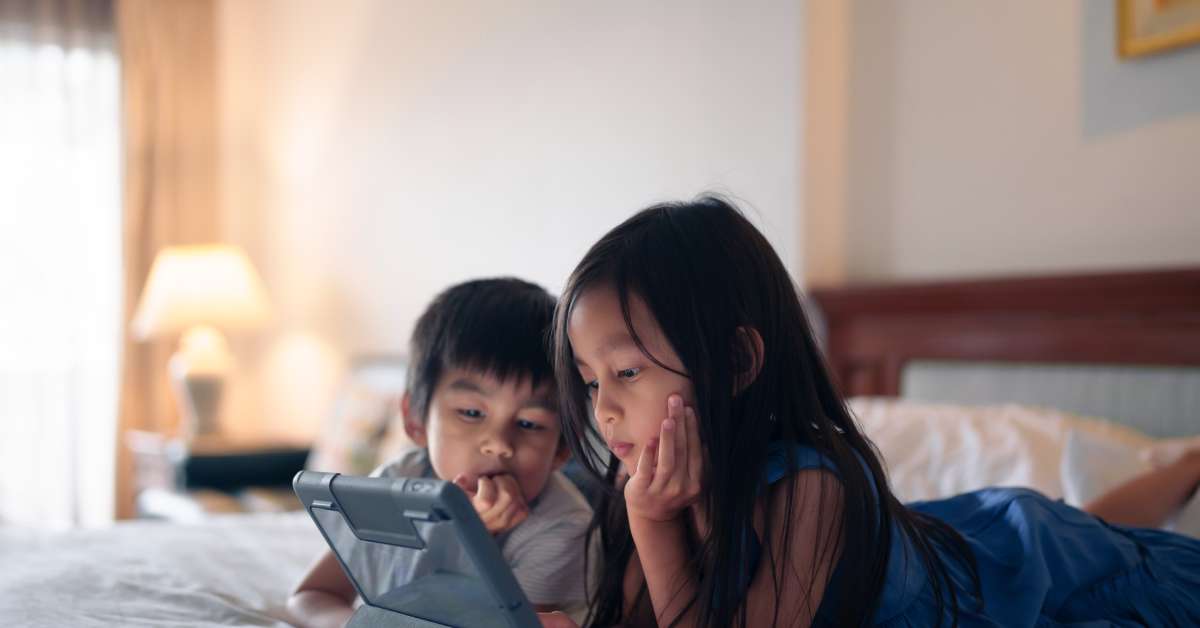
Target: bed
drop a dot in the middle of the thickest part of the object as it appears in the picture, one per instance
(960, 384)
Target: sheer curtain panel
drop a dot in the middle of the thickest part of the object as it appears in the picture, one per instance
(60, 261)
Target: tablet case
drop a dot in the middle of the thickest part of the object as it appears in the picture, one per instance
(399, 515)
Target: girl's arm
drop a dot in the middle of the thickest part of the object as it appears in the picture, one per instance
(663, 552)
(658, 497)
(324, 597)
(812, 550)
(812, 544)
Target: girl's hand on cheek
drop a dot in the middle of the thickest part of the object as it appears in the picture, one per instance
(667, 478)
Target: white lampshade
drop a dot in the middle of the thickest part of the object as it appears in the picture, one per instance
(200, 285)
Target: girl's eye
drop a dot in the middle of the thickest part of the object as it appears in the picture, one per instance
(470, 414)
(591, 387)
(528, 425)
(628, 373)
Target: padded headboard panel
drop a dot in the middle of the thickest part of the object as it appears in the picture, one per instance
(1120, 345)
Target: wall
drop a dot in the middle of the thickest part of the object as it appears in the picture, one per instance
(996, 138)
(374, 153)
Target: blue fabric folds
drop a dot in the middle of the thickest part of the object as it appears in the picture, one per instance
(1041, 563)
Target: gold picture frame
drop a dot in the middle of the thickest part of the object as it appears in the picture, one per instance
(1147, 27)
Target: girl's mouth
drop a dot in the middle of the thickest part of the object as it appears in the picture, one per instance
(621, 449)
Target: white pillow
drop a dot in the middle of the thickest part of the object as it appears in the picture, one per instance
(936, 450)
(1093, 464)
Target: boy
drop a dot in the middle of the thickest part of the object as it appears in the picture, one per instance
(481, 407)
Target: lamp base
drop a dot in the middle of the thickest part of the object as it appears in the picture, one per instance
(199, 403)
(198, 372)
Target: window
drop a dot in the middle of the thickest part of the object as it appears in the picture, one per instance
(60, 262)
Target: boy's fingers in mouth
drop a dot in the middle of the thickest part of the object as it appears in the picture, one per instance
(469, 485)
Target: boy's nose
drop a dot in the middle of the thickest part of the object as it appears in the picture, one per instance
(496, 446)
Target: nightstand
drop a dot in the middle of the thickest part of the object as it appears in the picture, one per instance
(188, 481)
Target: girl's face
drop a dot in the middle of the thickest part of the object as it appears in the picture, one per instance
(628, 391)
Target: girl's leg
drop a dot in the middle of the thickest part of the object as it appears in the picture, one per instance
(1149, 499)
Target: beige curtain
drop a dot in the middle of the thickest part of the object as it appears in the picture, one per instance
(168, 90)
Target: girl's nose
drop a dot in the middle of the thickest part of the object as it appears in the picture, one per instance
(606, 410)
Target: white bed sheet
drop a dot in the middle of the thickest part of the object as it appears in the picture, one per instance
(231, 571)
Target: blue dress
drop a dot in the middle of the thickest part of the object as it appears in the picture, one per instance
(1040, 561)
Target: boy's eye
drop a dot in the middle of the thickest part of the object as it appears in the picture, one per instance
(470, 414)
(628, 373)
(528, 425)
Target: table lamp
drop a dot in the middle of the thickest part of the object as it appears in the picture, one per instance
(199, 291)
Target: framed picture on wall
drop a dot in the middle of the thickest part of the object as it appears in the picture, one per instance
(1146, 27)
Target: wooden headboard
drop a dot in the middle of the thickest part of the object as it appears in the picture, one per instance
(1130, 318)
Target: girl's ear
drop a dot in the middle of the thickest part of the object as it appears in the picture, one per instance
(413, 426)
(747, 358)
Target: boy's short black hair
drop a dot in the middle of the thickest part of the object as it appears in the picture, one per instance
(497, 326)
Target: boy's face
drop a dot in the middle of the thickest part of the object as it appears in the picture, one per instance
(480, 426)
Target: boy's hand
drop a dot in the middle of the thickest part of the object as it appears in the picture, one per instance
(556, 620)
(498, 500)
(667, 478)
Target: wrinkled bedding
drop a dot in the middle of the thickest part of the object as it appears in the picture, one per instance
(234, 570)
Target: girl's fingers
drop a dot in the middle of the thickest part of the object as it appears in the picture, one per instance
(644, 472)
(664, 466)
(668, 445)
(685, 436)
(695, 467)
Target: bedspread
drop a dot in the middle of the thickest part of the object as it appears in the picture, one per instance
(231, 571)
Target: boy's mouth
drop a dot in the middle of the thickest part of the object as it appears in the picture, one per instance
(471, 479)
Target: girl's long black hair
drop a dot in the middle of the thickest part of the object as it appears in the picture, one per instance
(704, 272)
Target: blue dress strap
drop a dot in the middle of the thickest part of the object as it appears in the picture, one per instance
(779, 466)
(803, 457)
(905, 574)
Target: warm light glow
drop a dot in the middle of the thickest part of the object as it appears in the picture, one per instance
(191, 285)
(202, 351)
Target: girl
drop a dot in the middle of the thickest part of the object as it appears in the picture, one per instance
(745, 493)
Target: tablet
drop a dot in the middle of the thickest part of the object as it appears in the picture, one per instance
(416, 552)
